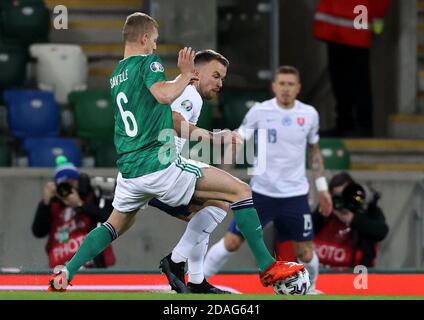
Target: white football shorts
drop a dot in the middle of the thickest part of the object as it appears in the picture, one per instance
(174, 186)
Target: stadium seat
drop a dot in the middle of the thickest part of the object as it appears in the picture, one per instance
(104, 154)
(26, 20)
(42, 152)
(61, 68)
(93, 114)
(206, 116)
(334, 154)
(5, 153)
(236, 103)
(31, 113)
(4, 4)
(13, 60)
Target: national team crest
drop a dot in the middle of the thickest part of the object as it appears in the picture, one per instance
(301, 121)
(287, 121)
(187, 105)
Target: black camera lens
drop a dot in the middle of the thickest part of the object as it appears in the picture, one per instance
(338, 202)
(64, 189)
(354, 194)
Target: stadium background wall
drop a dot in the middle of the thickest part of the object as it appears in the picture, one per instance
(155, 233)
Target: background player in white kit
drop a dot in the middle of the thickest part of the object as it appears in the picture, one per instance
(280, 193)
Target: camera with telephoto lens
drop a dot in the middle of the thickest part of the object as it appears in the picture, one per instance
(64, 189)
(352, 198)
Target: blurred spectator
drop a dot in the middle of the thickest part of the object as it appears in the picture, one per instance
(348, 58)
(349, 236)
(68, 211)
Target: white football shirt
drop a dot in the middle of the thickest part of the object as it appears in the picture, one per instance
(288, 131)
(189, 105)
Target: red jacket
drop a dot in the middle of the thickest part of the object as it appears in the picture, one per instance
(334, 245)
(334, 21)
(67, 228)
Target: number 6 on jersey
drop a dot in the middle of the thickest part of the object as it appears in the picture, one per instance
(126, 115)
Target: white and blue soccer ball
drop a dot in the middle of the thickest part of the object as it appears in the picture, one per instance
(298, 284)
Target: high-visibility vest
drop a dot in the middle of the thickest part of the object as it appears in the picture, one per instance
(334, 21)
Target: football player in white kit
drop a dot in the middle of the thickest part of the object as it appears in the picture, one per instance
(280, 192)
(212, 68)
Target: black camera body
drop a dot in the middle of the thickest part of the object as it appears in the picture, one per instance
(352, 198)
(64, 189)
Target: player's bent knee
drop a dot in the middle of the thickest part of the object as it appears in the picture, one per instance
(223, 206)
(232, 242)
(216, 203)
(243, 191)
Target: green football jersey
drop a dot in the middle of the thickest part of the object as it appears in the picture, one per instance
(143, 136)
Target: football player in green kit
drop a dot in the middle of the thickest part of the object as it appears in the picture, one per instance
(149, 166)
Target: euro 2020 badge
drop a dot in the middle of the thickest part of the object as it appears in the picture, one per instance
(156, 67)
(187, 105)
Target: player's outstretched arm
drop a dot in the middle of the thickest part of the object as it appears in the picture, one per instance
(167, 91)
(189, 131)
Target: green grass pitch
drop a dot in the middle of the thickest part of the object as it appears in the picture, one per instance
(36, 295)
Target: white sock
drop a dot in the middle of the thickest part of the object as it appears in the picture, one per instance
(195, 262)
(197, 230)
(216, 258)
(312, 267)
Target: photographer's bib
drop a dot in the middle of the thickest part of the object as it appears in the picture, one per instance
(334, 245)
(63, 251)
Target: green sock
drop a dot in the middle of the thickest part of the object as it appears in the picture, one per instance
(248, 222)
(95, 242)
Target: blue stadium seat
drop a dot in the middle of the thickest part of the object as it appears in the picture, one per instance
(32, 113)
(42, 152)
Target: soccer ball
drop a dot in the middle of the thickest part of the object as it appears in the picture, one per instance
(298, 284)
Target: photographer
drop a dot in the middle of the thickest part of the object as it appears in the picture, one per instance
(69, 210)
(349, 236)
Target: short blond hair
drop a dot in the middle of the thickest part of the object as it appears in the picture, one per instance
(287, 70)
(138, 24)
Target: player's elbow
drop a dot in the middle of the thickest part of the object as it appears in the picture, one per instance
(163, 99)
